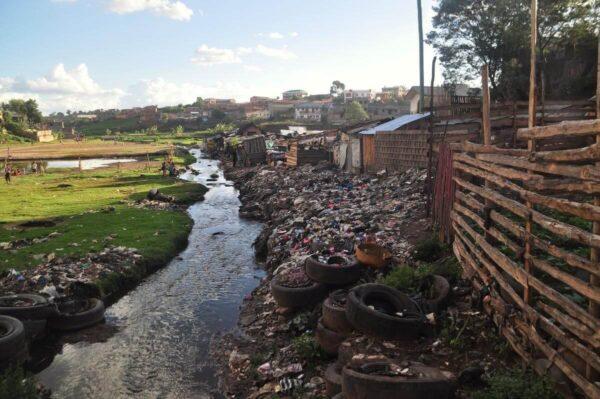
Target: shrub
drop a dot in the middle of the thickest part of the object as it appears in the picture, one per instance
(429, 250)
(14, 383)
(308, 349)
(518, 385)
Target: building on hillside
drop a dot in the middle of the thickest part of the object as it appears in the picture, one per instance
(86, 117)
(257, 113)
(459, 94)
(281, 109)
(44, 136)
(219, 101)
(149, 114)
(394, 92)
(387, 110)
(258, 100)
(294, 95)
(361, 96)
(308, 112)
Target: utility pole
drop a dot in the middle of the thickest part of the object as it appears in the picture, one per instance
(421, 60)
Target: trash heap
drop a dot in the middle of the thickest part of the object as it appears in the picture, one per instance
(316, 208)
(56, 275)
(306, 336)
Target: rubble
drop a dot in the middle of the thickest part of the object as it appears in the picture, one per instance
(56, 275)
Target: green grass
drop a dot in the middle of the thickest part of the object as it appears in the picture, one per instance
(518, 385)
(92, 207)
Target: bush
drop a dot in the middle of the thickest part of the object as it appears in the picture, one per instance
(308, 349)
(429, 250)
(14, 383)
(407, 279)
(518, 385)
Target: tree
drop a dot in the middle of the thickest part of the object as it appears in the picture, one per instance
(31, 110)
(468, 34)
(355, 113)
(337, 88)
(199, 102)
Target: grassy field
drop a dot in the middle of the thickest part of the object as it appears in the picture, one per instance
(72, 149)
(89, 207)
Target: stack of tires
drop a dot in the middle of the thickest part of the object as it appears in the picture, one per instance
(26, 317)
(333, 327)
(23, 319)
(333, 272)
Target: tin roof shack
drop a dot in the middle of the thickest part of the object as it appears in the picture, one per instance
(251, 150)
(310, 149)
(248, 130)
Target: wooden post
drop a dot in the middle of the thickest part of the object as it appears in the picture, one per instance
(421, 60)
(594, 307)
(430, 154)
(487, 124)
(147, 162)
(80, 166)
(531, 143)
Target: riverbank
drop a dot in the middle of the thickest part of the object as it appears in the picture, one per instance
(315, 210)
(70, 149)
(93, 227)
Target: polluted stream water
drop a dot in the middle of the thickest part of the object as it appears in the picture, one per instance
(155, 340)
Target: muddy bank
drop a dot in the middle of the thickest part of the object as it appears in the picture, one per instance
(318, 210)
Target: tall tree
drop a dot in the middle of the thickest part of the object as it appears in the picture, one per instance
(470, 33)
(337, 88)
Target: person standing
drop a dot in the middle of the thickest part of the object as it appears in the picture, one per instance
(34, 167)
(7, 172)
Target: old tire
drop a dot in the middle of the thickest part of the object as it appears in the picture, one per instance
(334, 317)
(37, 307)
(441, 290)
(333, 380)
(287, 297)
(328, 340)
(34, 329)
(71, 317)
(383, 320)
(333, 273)
(426, 382)
(13, 343)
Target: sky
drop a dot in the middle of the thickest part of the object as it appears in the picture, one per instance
(90, 54)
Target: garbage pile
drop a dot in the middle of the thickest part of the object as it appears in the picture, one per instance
(316, 208)
(327, 318)
(56, 275)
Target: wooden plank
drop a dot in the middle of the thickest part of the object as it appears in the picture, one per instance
(580, 172)
(576, 328)
(582, 210)
(571, 128)
(590, 153)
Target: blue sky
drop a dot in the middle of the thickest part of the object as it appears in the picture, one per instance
(87, 54)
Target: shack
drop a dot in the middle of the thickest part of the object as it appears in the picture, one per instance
(390, 145)
(250, 151)
(311, 149)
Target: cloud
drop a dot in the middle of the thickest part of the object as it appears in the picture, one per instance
(294, 34)
(280, 53)
(62, 89)
(173, 9)
(252, 68)
(207, 56)
(271, 35)
(162, 92)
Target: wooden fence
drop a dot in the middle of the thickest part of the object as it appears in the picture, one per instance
(404, 149)
(526, 228)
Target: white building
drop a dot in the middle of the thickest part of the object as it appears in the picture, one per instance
(308, 112)
(360, 96)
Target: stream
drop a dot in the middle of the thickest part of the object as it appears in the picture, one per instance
(160, 332)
